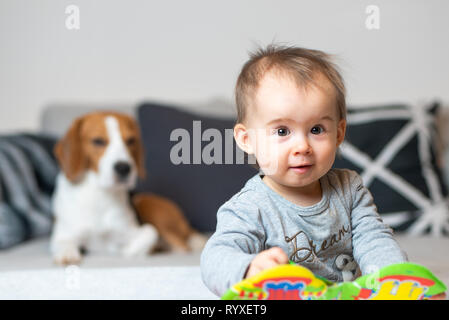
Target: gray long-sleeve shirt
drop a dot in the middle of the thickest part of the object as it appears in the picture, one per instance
(335, 238)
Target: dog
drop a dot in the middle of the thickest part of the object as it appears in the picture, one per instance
(101, 158)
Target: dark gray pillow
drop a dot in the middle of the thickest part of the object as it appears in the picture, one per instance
(198, 187)
(393, 148)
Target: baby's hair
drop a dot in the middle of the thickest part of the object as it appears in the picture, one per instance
(304, 65)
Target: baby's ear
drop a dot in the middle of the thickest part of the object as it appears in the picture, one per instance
(241, 137)
(341, 131)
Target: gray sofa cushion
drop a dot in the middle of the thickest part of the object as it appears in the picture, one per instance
(57, 118)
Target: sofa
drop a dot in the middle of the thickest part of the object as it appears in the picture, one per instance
(27, 271)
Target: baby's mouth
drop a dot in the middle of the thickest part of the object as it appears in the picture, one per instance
(301, 169)
(303, 166)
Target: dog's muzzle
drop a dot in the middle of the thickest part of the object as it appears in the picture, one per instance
(122, 170)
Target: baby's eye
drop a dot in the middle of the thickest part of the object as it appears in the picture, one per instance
(282, 131)
(317, 130)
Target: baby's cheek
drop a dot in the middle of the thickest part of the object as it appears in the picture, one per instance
(268, 163)
(269, 158)
(262, 149)
(326, 155)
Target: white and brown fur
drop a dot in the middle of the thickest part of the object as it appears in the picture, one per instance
(101, 157)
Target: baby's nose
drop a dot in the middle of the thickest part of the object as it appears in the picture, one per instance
(302, 147)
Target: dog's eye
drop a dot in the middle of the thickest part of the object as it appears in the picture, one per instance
(99, 142)
(130, 141)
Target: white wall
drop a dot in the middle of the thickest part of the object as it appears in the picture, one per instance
(127, 51)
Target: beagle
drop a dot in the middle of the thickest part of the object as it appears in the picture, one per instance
(101, 157)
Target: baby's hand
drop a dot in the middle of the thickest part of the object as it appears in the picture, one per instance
(265, 260)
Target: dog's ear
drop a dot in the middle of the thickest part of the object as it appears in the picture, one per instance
(140, 157)
(69, 152)
(138, 152)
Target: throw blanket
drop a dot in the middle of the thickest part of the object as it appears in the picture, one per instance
(27, 175)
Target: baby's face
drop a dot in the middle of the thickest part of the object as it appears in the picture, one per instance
(294, 132)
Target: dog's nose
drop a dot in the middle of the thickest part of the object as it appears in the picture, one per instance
(122, 169)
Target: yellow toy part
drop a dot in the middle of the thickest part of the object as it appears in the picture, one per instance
(285, 282)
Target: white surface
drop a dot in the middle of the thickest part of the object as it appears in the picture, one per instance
(26, 272)
(128, 51)
(121, 283)
(35, 255)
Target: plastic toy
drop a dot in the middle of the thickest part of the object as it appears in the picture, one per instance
(403, 281)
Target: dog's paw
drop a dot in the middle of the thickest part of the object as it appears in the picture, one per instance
(67, 256)
(142, 242)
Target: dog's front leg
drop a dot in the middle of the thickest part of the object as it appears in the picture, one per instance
(66, 251)
(141, 240)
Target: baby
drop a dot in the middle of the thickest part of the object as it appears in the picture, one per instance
(292, 118)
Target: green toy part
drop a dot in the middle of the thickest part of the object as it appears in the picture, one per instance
(402, 281)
